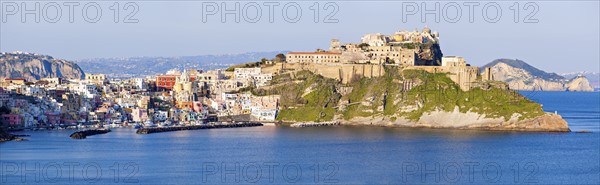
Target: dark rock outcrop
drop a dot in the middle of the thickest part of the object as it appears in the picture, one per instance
(85, 133)
(5, 136)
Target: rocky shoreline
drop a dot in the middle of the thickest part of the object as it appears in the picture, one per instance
(196, 127)
(314, 124)
(5, 136)
(548, 122)
(85, 133)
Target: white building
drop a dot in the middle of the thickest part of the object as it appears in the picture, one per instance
(262, 79)
(246, 73)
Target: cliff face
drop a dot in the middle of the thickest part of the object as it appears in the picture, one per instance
(34, 67)
(522, 76)
(407, 98)
(429, 54)
(579, 83)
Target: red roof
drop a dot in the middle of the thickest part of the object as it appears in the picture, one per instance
(15, 79)
(315, 53)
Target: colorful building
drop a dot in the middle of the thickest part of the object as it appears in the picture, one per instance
(12, 120)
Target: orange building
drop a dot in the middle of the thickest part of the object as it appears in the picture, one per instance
(166, 82)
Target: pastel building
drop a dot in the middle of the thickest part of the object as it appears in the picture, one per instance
(12, 120)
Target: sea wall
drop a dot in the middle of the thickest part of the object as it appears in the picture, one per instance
(196, 127)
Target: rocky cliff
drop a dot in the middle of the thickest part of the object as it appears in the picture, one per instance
(34, 66)
(407, 98)
(522, 76)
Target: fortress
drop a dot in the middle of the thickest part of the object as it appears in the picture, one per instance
(408, 50)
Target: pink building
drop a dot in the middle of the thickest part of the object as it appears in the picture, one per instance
(12, 120)
(139, 115)
(53, 117)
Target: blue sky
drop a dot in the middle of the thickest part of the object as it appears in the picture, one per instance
(565, 37)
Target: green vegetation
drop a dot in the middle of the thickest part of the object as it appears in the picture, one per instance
(304, 97)
(246, 65)
(309, 97)
(438, 92)
(278, 58)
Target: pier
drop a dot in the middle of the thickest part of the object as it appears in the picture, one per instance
(197, 127)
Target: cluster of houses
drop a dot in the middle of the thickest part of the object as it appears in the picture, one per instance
(217, 92)
(188, 97)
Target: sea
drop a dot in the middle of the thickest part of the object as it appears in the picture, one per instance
(319, 155)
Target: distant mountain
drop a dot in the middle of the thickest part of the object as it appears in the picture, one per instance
(34, 67)
(522, 76)
(593, 77)
(522, 65)
(142, 66)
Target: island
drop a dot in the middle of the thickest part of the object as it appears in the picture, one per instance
(398, 80)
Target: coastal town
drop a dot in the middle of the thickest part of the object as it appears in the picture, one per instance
(197, 97)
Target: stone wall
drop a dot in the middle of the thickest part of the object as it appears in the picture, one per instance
(464, 76)
(343, 72)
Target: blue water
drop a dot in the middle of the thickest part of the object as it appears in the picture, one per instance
(327, 155)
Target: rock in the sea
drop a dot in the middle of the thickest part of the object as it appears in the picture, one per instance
(5, 136)
(20, 139)
(579, 83)
(85, 133)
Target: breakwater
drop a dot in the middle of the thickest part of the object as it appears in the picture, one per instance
(196, 127)
(315, 124)
(85, 133)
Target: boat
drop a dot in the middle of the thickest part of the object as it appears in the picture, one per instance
(114, 125)
(165, 124)
(137, 126)
(149, 124)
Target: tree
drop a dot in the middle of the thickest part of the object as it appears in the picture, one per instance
(363, 45)
(279, 57)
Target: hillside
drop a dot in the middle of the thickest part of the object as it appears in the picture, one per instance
(522, 76)
(434, 101)
(34, 66)
(530, 69)
(141, 66)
